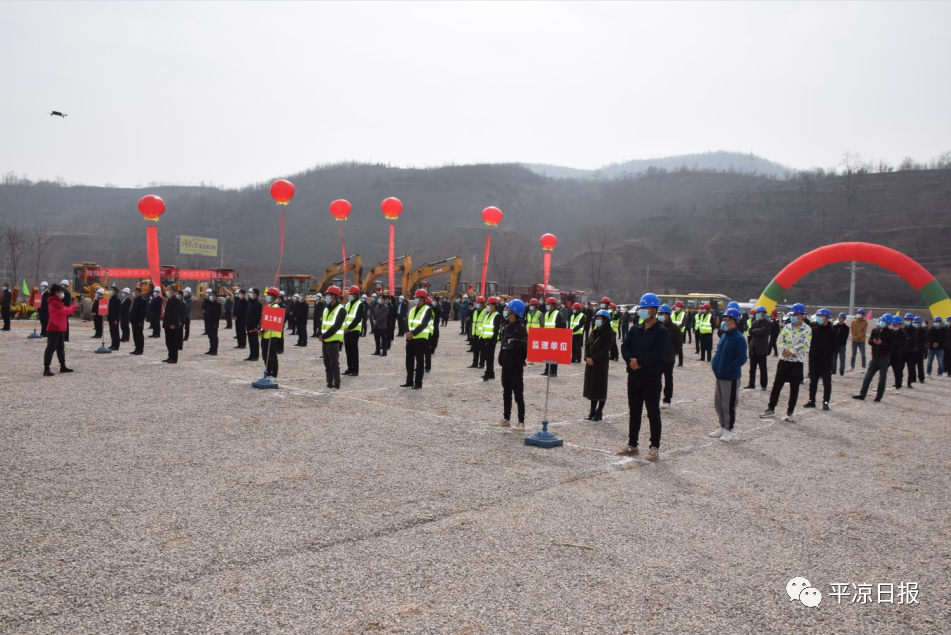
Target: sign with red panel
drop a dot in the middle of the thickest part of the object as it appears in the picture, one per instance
(272, 319)
(103, 307)
(549, 345)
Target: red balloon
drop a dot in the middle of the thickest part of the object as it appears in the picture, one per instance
(340, 209)
(492, 216)
(151, 207)
(548, 241)
(392, 208)
(282, 191)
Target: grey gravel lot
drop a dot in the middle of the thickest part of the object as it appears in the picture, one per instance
(142, 497)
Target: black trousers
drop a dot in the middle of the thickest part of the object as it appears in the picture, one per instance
(826, 376)
(920, 363)
(380, 337)
(551, 369)
(331, 352)
(689, 334)
(876, 365)
(269, 348)
(212, 339)
(911, 364)
(55, 343)
(790, 372)
(513, 385)
(477, 359)
(898, 367)
(97, 325)
(758, 362)
(124, 327)
(171, 343)
(643, 392)
(114, 335)
(351, 343)
(253, 342)
(154, 324)
(186, 329)
(577, 340)
(680, 356)
(415, 360)
(431, 350)
(668, 382)
(138, 337)
(772, 347)
(181, 337)
(697, 341)
(5, 314)
(227, 320)
(615, 353)
(302, 335)
(241, 331)
(706, 347)
(488, 354)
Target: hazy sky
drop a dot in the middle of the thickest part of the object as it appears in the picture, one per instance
(233, 93)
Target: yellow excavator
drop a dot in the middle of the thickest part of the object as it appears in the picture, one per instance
(334, 273)
(452, 266)
(404, 269)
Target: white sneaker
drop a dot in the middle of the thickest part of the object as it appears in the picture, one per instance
(727, 435)
(716, 434)
(789, 418)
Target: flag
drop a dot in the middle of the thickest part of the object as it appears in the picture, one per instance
(26, 290)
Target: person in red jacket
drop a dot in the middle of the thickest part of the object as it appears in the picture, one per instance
(56, 330)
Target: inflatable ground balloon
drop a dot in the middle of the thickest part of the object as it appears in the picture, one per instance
(151, 207)
(282, 191)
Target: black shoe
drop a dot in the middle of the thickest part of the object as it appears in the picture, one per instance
(135, 353)
(250, 359)
(346, 373)
(375, 353)
(417, 387)
(382, 354)
(473, 366)
(544, 374)
(239, 347)
(63, 369)
(47, 372)
(810, 404)
(406, 385)
(749, 387)
(597, 416)
(877, 399)
(487, 378)
(859, 397)
(825, 405)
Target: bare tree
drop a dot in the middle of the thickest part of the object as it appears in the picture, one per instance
(596, 240)
(14, 242)
(507, 256)
(39, 238)
(852, 168)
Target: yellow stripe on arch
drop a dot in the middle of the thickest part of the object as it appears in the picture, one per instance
(941, 309)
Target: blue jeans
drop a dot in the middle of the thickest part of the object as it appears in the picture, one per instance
(939, 353)
(841, 356)
(877, 365)
(858, 346)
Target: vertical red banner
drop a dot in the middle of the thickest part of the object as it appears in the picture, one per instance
(547, 271)
(281, 258)
(485, 262)
(343, 249)
(392, 267)
(151, 245)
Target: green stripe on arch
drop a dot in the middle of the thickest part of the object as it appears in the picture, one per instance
(775, 291)
(932, 293)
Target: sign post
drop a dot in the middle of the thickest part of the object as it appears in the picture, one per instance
(37, 303)
(272, 319)
(550, 346)
(102, 310)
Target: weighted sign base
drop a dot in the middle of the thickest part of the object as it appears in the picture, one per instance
(264, 383)
(103, 349)
(544, 438)
(33, 336)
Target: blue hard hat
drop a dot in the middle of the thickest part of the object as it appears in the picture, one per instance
(937, 319)
(663, 309)
(649, 300)
(896, 319)
(733, 305)
(797, 308)
(603, 314)
(732, 313)
(886, 318)
(918, 320)
(517, 306)
(862, 311)
(761, 309)
(843, 315)
(909, 316)
(825, 312)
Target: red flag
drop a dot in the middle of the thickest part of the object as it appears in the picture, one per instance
(392, 270)
(485, 261)
(547, 271)
(151, 244)
(281, 259)
(343, 248)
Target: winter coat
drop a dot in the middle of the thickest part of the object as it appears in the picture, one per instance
(649, 347)
(252, 320)
(598, 349)
(514, 347)
(731, 354)
(240, 312)
(58, 314)
(842, 333)
(858, 329)
(139, 310)
(822, 349)
(759, 336)
(380, 313)
(212, 316)
(676, 343)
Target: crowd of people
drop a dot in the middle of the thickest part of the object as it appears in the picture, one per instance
(650, 339)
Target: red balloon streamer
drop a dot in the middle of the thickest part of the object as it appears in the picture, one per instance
(151, 245)
(392, 268)
(485, 261)
(547, 271)
(343, 248)
(281, 258)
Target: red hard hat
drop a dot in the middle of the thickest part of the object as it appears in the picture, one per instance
(273, 291)
(576, 305)
(493, 300)
(480, 300)
(605, 300)
(551, 301)
(421, 293)
(533, 302)
(334, 290)
(613, 306)
(679, 303)
(354, 290)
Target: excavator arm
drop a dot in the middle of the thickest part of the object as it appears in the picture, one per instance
(452, 266)
(404, 267)
(353, 264)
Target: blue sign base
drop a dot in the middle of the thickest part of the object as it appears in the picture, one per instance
(544, 438)
(264, 383)
(33, 336)
(103, 350)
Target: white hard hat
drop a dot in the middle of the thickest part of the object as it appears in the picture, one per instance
(402, 297)
(319, 295)
(208, 290)
(64, 281)
(297, 295)
(99, 290)
(282, 293)
(374, 295)
(365, 295)
(44, 284)
(465, 296)
(126, 290)
(189, 290)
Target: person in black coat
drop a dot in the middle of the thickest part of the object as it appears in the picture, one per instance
(512, 358)
(125, 307)
(252, 322)
(241, 319)
(114, 315)
(910, 351)
(842, 334)
(434, 337)
(6, 301)
(182, 314)
(644, 351)
(821, 358)
(898, 348)
(155, 312)
(301, 312)
(187, 326)
(775, 326)
(675, 349)
(597, 350)
(229, 312)
(137, 316)
(44, 312)
(921, 326)
(760, 334)
(67, 302)
(212, 320)
(172, 323)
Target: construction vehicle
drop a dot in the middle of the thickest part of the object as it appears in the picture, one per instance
(718, 301)
(403, 267)
(334, 273)
(303, 283)
(452, 266)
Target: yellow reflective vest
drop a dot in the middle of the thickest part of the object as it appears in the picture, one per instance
(534, 320)
(678, 319)
(352, 308)
(705, 323)
(488, 325)
(415, 317)
(330, 318)
(577, 323)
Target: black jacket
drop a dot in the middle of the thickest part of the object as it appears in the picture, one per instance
(140, 308)
(125, 307)
(240, 311)
(937, 336)
(886, 335)
(187, 301)
(44, 312)
(6, 299)
(911, 340)
(842, 332)
(155, 307)
(649, 347)
(115, 308)
(822, 348)
(514, 349)
(212, 315)
(598, 349)
(301, 309)
(252, 320)
(676, 343)
(758, 332)
(173, 312)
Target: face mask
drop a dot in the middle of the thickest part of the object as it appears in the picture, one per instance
(907, 322)
(915, 325)
(415, 300)
(352, 297)
(820, 320)
(723, 327)
(881, 324)
(760, 316)
(478, 306)
(604, 306)
(677, 310)
(793, 319)
(575, 311)
(643, 313)
(662, 318)
(60, 295)
(937, 325)
(893, 327)
(269, 298)
(598, 323)
(506, 313)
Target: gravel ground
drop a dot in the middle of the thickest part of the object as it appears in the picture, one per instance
(142, 497)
